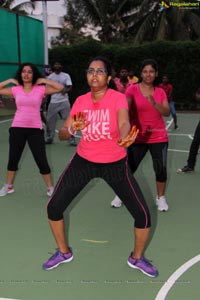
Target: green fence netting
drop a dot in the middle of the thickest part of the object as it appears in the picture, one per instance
(21, 40)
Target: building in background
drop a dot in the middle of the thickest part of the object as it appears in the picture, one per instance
(55, 14)
(55, 17)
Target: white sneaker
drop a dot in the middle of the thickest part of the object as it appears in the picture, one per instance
(116, 202)
(162, 203)
(6, 189)
(50, 191)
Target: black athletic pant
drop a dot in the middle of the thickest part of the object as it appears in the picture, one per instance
(194, 147)
(18, 137)
(158, 151)
(117, 174)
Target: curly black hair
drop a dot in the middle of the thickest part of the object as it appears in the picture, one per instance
(36, 73)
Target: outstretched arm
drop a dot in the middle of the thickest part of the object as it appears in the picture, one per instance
(7, 91)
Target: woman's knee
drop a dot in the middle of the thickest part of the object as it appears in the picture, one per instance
(54, 214)
(161, 176)
(143, 220)
(12, 166)
(45, 170)
(160, 169)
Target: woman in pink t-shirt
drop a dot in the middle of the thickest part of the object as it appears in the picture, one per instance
(102, 117)
(29, 92)
(148, 105)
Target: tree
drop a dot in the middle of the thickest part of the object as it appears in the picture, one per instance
(171, 23)
(69, 35)
(106, 16)
(134, 21)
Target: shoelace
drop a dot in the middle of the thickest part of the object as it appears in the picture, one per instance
(57, 253)
(146, 261)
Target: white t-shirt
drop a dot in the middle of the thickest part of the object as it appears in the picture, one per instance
(64, 79)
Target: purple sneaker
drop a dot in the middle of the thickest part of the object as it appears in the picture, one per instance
(143, 265)
(56, 259)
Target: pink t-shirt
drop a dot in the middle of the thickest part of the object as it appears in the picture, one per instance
(28, 106)
(147, 119)
(120, 87)
(99, 139)
(168, 88)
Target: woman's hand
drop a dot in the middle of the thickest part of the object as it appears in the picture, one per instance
(79, 122)
(163, 108)
(41, 81)
(14, 81)
(130, 139)
(7, 91)
(63, 134)
(51, 86)
(151, 100)
(3, 84)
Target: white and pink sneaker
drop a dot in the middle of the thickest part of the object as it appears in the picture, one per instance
(6, 189)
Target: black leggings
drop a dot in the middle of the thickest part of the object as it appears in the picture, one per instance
(194, 147)
(17, 141)
(117, 174)
(158, 151)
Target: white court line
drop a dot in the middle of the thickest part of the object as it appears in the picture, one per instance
(177, 150)
(76, 135)
(169, 123)
(4, 121)
(190, 136)
(8, 299)
(175, 276)
(93, 241)
(181, 134)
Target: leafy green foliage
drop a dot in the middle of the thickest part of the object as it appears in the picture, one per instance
(180, 60)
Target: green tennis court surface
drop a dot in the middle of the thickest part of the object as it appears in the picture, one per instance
(100, 236)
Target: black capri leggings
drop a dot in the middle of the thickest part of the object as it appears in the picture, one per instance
(18, 137)
(117, 174)
(158, 151)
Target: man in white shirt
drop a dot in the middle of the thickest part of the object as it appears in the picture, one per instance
(59, 103)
